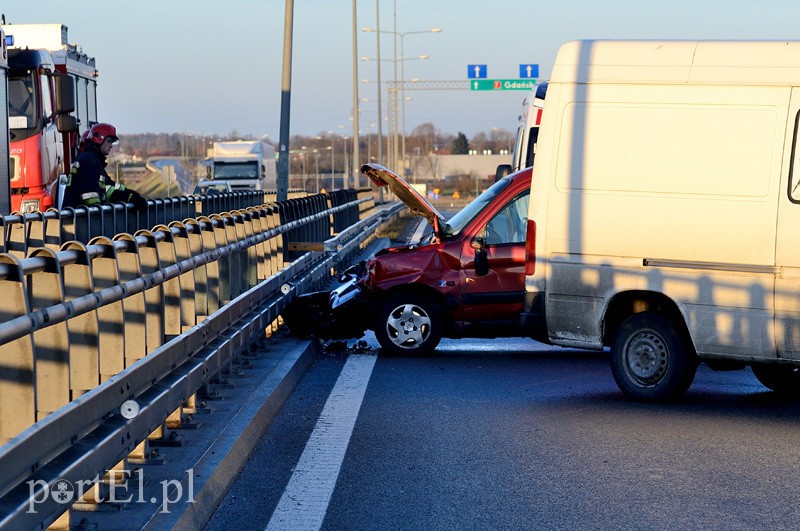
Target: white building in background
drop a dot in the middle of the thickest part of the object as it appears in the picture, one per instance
(438, 167)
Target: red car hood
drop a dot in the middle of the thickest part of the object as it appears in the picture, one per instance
(381, 176)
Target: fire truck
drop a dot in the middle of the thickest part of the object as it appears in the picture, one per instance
(52, 101)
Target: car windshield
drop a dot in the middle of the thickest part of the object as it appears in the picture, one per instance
(460, 220)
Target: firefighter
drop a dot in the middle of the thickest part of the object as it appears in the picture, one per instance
(88, 182)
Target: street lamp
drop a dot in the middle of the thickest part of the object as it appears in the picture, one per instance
(402, 35)
(399, 93)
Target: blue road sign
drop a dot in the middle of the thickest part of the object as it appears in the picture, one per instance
(528, 71)
(476, 71)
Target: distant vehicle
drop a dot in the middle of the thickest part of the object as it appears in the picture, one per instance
(245, 164)
(527, 133)
(466, 279)
(212, 187)
(52, 101)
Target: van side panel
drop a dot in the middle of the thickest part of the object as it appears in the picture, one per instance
(666, 188)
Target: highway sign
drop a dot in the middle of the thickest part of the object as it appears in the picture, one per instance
(476, 71)
(502, 84)
(528, 71)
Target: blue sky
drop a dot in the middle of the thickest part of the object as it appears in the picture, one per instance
(211, 67)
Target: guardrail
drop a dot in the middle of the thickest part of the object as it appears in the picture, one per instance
(21, 232)
(152, 317)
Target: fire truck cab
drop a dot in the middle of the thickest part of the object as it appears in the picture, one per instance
(52, 100)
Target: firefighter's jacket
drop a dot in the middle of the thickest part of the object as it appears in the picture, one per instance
(89, 184)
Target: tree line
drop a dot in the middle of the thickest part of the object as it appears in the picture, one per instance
(324, 152)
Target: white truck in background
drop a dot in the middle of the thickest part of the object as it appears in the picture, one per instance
(245, 164)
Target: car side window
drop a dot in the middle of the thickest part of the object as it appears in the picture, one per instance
(510, 223)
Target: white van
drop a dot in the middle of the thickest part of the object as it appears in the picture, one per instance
(665, 210)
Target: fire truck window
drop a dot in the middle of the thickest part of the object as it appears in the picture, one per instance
(91, 88)
(47, 101)
(20, 103)
(509, 224)
(83, 117)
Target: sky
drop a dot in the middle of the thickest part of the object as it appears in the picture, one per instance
(212, 67)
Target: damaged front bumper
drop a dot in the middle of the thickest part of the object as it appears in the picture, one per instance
(341, 313)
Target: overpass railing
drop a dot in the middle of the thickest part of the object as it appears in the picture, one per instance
(150, 317)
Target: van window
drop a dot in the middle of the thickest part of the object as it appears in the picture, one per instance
(794, 180)
(509, 224)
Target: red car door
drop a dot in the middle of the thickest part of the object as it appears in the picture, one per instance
(497, 295)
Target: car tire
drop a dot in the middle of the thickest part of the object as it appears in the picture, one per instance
(651, 359)
(783, 379)
(409, 324)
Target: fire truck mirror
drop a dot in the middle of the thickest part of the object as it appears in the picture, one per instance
(66, 123)
(65, 94)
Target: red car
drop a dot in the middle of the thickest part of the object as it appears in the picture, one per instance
(465, 279)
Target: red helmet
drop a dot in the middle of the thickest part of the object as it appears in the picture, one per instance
(99, 132)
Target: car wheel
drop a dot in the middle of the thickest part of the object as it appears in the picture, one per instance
(783, 379)
(409, 324)
(651, 359)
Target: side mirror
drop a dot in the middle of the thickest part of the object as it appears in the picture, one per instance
(66, 123)
(501, 171)
(208, 171)
(481, 257)
(65, 94)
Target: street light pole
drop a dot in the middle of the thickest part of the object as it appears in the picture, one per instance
(355, 99)
(397, 92)
(380, 112)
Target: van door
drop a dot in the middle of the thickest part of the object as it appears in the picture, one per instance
(787, 251)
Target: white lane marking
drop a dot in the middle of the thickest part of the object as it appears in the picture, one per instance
(305, 500)
(417, 236)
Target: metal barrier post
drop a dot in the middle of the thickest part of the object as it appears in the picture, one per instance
(246, 228)
(173, 292)
(149, 261)
(197, 239)
(261, 250)
(17, 371)
(45, 289)
(210, 243)
(111, 317)
(183, 251)
(135, 306)
(16, 238)
(84, 354)
(52, 229)
(234, 261)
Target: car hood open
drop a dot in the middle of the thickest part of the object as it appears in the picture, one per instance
(381, 176)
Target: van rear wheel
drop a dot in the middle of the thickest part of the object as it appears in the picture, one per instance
(651, 359)
(783, 379)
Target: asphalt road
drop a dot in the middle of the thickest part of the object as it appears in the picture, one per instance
(512, 434)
